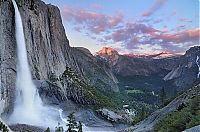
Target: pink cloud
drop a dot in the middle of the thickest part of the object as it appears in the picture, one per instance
(131, 30)
(181, 37)
(95, 22)
(130, 35)
(158, 4)
(134, 34)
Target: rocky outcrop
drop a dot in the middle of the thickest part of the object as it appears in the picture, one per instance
(49, 53)
(147, 125)
(109, 54)
(25, 128)
(193, 129)
(96, 71)
(110, 115)
(7, 54)
(186, 71)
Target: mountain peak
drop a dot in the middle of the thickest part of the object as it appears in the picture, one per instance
(109, 54)
(107, 51)
(193, 50)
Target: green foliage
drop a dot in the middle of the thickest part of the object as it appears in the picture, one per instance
(59, 128)
(180, 120)
(3, 127)
(194, 121)
(72, 122)
(53, 77)
(48, 130)
(90, 93)
(73, 126)
(195, 105)
(100, 99)
(80, 127)
(143, 113)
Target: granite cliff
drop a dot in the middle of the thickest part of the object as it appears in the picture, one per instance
(49, 54)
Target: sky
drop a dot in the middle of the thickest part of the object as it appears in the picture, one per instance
(131, 26)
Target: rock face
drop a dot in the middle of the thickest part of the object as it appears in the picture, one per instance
(186, 71)
(96, 71)
(193, 129)
(49, 53)
(110, 115)
(148, 124)
(109, 54)
(130, 65)
(7, 54)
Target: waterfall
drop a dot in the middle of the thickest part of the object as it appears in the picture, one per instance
(197, 62)
(27, 98)
(28, 107)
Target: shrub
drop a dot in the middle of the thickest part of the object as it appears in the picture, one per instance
(3, 127)
(180, 120)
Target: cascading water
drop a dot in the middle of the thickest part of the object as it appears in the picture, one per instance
(28, 107)
(197, 62)
(27, 98)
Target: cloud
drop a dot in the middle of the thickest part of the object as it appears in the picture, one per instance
(157, 5)
(181, 37)
(138, 36)
(184, 20)
(149, 48)
(132, 30)
(94, 22)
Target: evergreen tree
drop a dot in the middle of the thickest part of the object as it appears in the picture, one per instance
(59, 128)
(80, 129)
(3, 127)
(48, 130)
(143, 113)
(72, 123)
(195, 105)
(162, 96)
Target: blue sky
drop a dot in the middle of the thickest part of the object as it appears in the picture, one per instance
(131, 26)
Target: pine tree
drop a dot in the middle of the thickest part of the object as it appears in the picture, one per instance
(80, 129)
(143, 113)
(195, 105)
(3, 127)
(59, 128)
(48, 130)
(72, 123)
